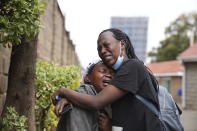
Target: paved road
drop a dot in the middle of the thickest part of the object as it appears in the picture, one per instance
(189, 120)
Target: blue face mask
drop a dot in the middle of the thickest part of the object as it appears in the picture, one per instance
(119, 61)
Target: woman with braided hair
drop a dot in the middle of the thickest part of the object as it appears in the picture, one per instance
(130, 79)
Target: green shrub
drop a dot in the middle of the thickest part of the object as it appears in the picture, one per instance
(51, 120)
(49, 78)
(12, 121)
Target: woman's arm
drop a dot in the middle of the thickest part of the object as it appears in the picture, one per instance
(108, 95)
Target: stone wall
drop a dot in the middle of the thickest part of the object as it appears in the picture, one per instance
(191, 85)
(54, 44)
(4, 67)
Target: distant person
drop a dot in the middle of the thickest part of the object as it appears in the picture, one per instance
(179, 92)
(130, 79)
(96, 78)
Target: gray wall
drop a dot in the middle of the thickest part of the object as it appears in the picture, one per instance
(4, 67)
(54, 45)
(191, 85)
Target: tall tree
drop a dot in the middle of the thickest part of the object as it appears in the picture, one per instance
(19, 26)
(179, 34)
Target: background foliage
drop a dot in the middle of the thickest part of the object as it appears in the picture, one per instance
(178, 35)
(13, 121)
(50, 77)
(19, 19)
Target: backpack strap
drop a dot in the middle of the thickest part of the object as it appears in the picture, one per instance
(148, 104)
(179, 110)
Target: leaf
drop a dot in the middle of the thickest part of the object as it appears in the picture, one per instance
(50, 77)
(177, 38)
(21, 14)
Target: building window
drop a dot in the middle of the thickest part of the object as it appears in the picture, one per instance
(167, 83)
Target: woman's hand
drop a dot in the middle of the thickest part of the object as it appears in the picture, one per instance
(57, 93)
(60, 105)
(104, 123)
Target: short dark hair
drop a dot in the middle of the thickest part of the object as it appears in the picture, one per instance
(89, 70)
(92, 65)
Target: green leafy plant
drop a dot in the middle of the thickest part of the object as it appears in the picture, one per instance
(13, 121)
(19, 24)
(49, 78)
(51, 120)
(19, 19)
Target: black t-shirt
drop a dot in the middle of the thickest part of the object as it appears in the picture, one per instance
(128, 112)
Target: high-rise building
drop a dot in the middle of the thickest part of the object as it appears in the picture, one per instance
(136, 28)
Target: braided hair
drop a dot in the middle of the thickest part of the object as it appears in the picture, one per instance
(121, 36)
(130, 52)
